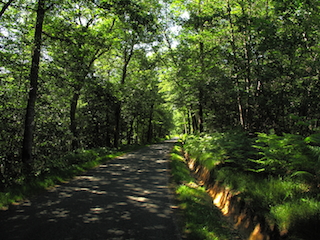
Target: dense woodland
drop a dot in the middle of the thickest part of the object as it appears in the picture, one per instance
(79, 74)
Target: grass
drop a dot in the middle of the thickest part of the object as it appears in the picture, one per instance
(59, 171)
(200, 218)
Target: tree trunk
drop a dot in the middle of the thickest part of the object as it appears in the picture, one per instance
(190, 129)
(185, 130)
(73, 123)
(149, 133)
(203, 75)
(194, 124)
(30, 111)
(127, 57)
(200, 120)
(108, 135)
(130, 131)
(117, 126)
(248, 62)
(234, 50)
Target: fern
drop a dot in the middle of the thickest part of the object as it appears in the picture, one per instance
(314, 138)
(303, 174)
(315, 151)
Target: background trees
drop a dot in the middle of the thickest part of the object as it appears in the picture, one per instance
(249, 64)
(115, 72)
(97, 84)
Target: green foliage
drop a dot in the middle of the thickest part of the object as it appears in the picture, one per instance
(314, 138)
(201, 220)
(57, 171)
(283, 155)
(179, 170)
(220, 148)
(290, 212)
(84, 46)
(105, 73)
(235, 61)
(276, 175)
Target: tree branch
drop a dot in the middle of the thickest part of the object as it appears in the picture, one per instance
(5, 6)
(58, 38)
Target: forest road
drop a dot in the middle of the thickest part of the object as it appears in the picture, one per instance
(126, 198)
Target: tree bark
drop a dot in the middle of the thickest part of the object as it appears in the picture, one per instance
(117, 126)
(149, 134)
(200, 120)
(108, 137)
(127, 57)
(130, 131)
(73, 123)
(233, 46)
(27, 142)
(194, 123)
(190, 129)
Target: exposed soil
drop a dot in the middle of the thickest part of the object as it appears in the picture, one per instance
(126, 198)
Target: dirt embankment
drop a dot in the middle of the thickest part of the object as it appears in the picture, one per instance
(249, 223)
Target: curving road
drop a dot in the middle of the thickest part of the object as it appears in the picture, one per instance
(126, 198)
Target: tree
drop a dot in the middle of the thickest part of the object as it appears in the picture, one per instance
(83, 39)
(90, 63)
(244, 58)
(34, 74)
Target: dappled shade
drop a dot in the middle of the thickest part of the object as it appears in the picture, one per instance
(124, 199)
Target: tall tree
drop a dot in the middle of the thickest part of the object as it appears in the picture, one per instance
(247, 57)
(128, 47)
(34, 74)
(83, 37)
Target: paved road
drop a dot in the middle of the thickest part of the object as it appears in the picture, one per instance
(127, 198)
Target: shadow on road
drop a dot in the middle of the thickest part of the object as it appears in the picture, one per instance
(126, 198)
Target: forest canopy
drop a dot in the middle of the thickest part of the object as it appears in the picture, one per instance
(79, 74)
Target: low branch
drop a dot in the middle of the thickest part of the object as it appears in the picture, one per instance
(58, 38)
(5, 6)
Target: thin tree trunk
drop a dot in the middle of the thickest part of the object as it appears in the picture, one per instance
(248, 59)
(74, 101)
(185, 130)
(27, 142)
(127, 57)
(239, 97)
(200, 120)
(73, 123)
(190, 122)
(117, 126)
(108, 137)
(129, 133)
(194, 123)
(149, 134)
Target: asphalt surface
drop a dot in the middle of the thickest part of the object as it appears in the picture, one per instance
(126, 198)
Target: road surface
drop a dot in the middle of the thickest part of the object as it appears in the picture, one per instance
(126, 198)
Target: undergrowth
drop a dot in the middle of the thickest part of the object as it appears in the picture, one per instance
(201, 219)
(277, 175)
(58, 171)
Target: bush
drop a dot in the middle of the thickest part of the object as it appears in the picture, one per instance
(282, 155)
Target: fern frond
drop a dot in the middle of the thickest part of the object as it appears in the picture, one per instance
(315, 151)
(314, 138)
(301, 173)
